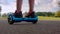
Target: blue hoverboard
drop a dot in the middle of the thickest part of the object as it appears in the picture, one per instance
(12, 19)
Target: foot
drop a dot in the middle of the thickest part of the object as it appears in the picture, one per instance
(18, 14)
(30, 14)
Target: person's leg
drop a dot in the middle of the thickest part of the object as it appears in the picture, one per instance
(31, 7)
(18, 6)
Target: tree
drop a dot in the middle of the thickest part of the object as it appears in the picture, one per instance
(0, 8)
(45, 14)
(57, 14)
(4, 15)
(50, 14)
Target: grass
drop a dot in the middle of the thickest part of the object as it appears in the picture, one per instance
(48, 18)
(3, 18)
(39, 18)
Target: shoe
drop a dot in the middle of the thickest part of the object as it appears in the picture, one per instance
(30, 15)
(18, 14)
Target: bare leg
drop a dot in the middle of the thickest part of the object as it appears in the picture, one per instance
(19, 6)
(31, 7)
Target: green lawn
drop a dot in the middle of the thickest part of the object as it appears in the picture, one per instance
(48, 18)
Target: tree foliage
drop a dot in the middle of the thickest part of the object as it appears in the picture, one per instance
(45, 14)
(57, 14)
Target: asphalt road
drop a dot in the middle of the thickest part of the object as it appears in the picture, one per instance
(42, 27)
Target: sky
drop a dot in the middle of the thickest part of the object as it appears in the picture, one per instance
(40, 5)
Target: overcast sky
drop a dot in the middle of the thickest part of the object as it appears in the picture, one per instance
(40, 5)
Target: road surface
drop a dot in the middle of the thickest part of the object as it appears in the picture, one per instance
(42, 27)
